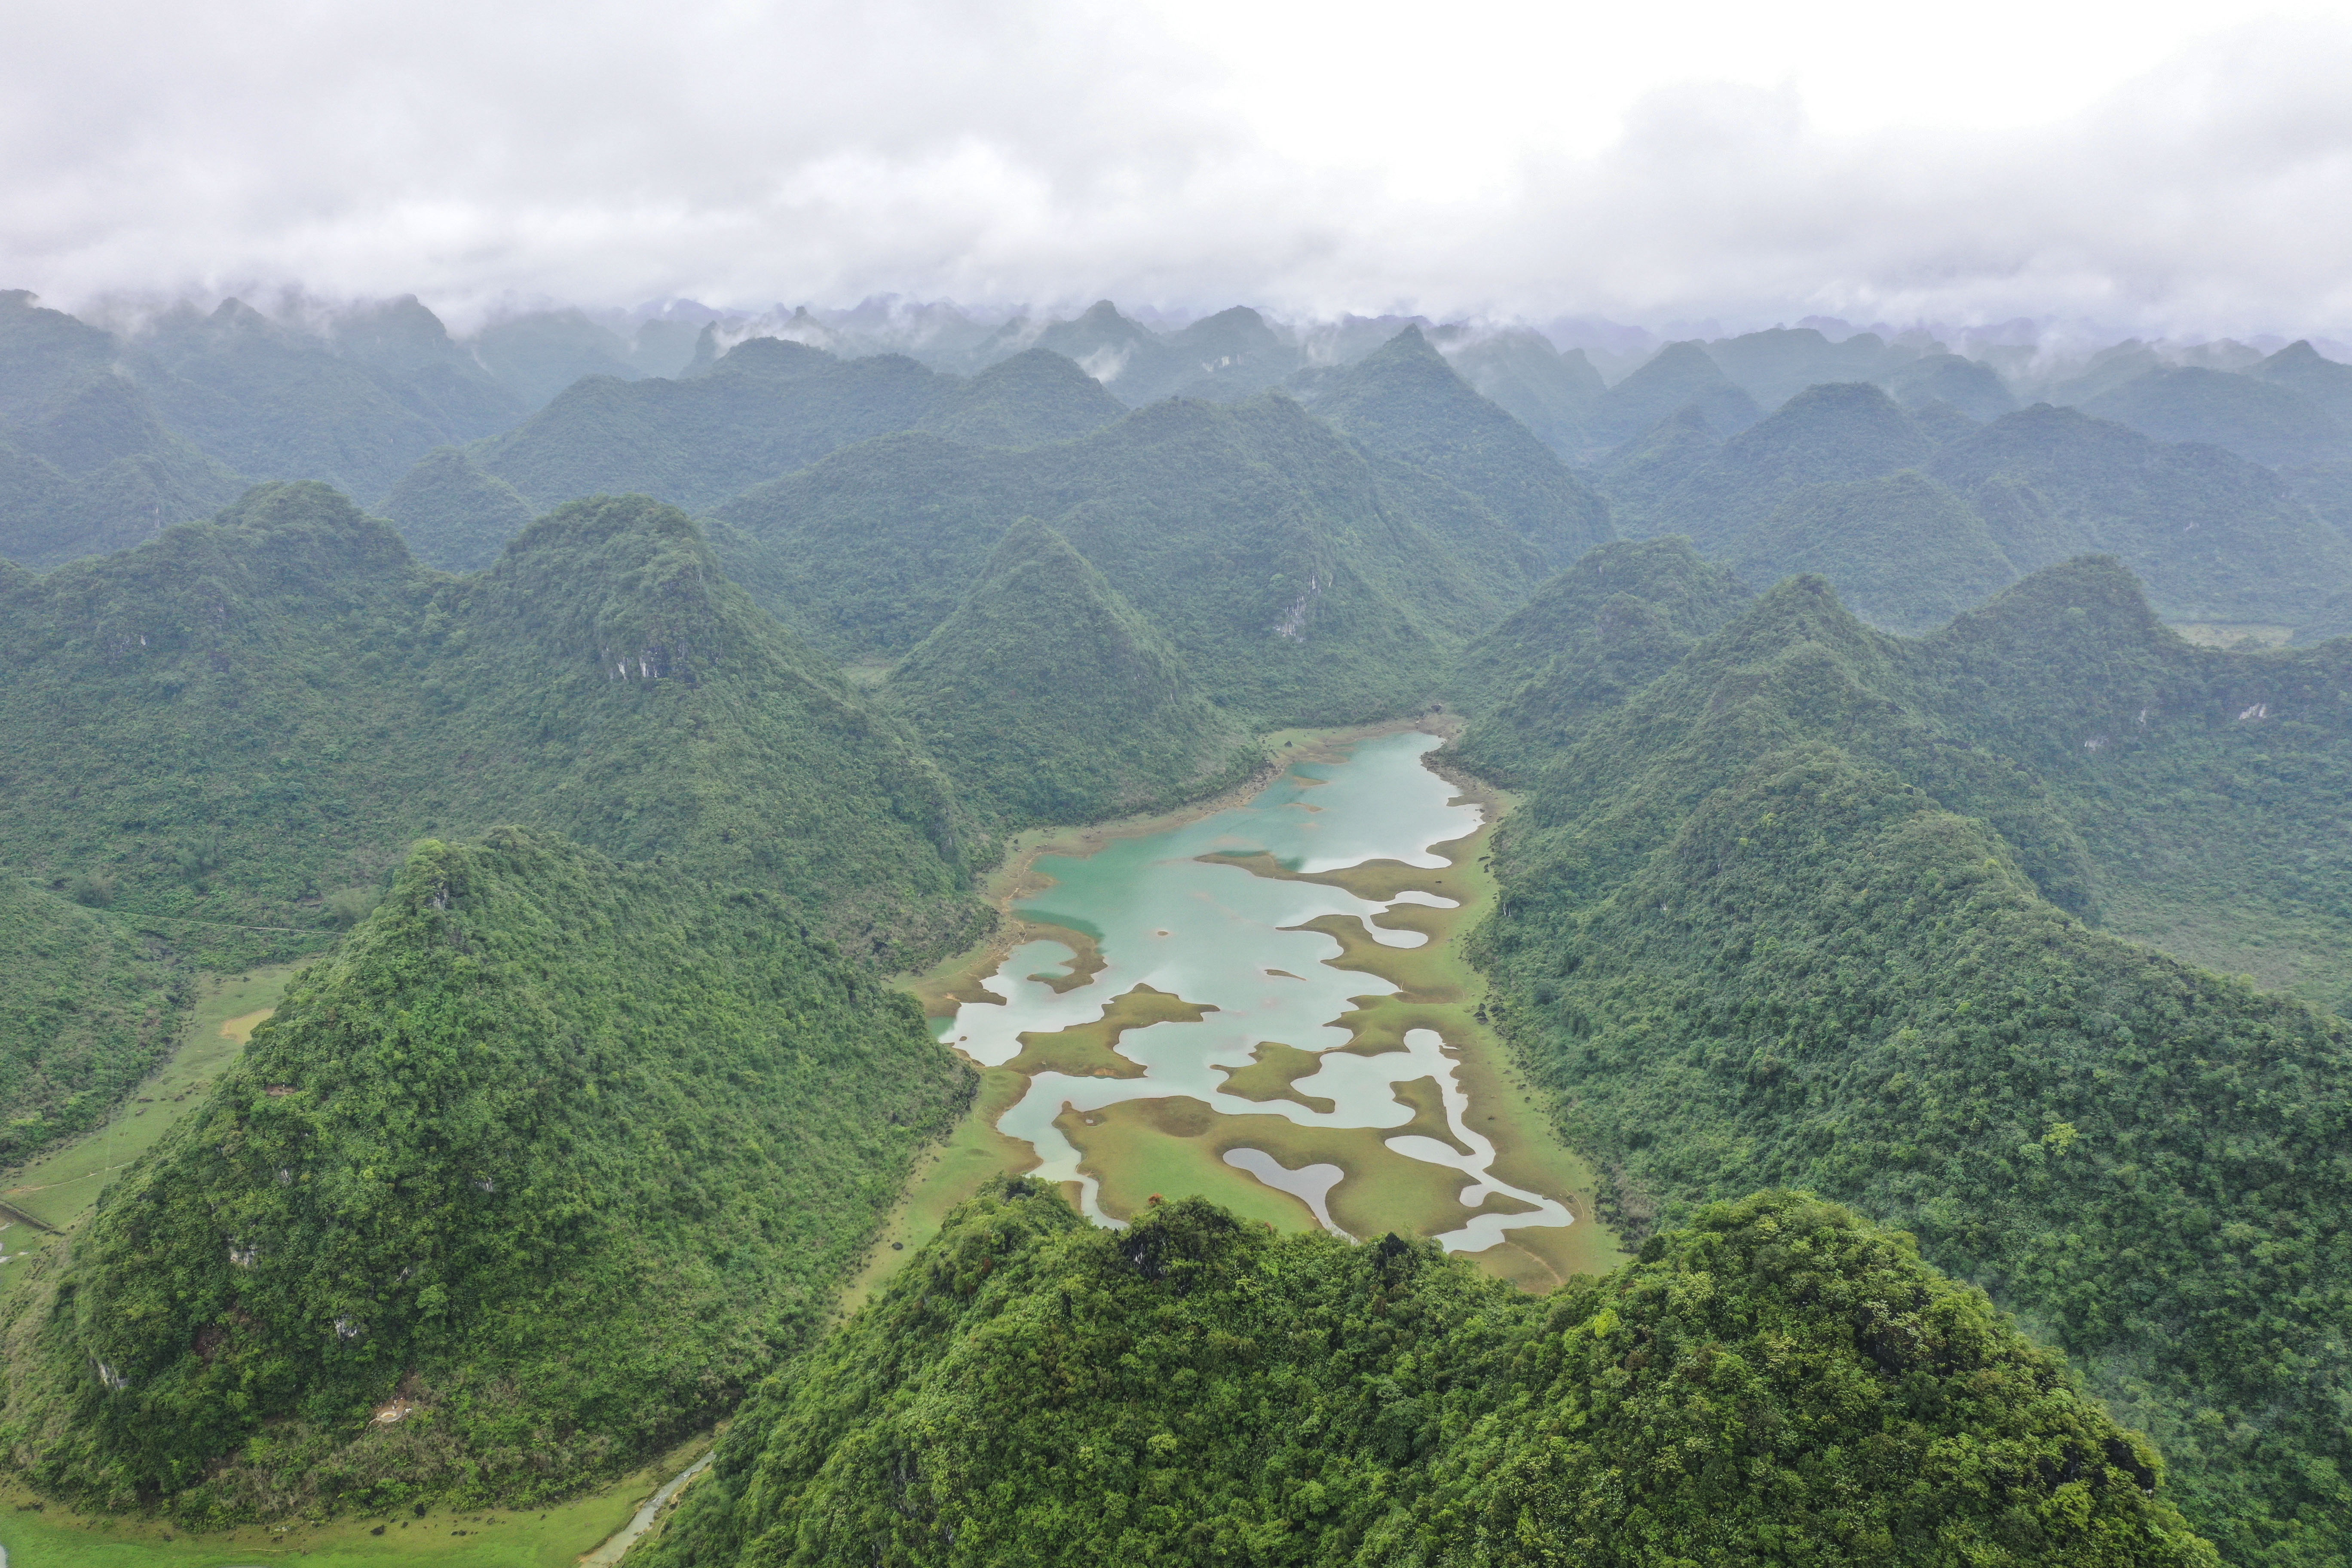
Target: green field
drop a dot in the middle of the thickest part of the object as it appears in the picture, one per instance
(58, 1188)
(51, 1536)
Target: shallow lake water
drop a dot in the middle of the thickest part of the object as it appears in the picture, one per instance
(1219, 935)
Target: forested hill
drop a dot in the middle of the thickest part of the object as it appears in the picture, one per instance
(1048, 699)
(245, 717)
(1808, 908)
(1775, 1382)
(1407, 401)
(1300, 579)
(89, 1008)
(525, 1183)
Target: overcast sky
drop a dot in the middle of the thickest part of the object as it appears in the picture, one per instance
(2154, 166)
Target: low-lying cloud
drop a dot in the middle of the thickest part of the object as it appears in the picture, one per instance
(1047, 152)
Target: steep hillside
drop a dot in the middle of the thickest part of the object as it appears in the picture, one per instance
(529, 1179)
(1134, 361)
(87, 1009)
(1048, 699)
(1550, 393)
(1774, 366)
(1825, 435)
(1032, 398)
(1973, 388)
(1228, 357)
(92, 468)
(275, 403)
(453, 515)
(1779, 1372)
(1617, 618)
(1681, 377)
(1300, 579)
(1797, 913)
(244, 717)
(2214, 537)
(1906, 553)
(2266, 420)
(1640, 476)
(764, 409)
(2302, 368)
(409, 353)
(1406, 401)
(537, 356)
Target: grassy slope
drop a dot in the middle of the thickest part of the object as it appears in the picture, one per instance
(561, 1153)
(1209, 1391)
(1052, 701)
(1785, 915)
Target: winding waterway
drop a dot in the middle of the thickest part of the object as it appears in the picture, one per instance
(1206, 919)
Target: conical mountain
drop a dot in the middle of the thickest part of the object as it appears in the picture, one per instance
(1134, 361)
(1520, 372)
(1774, 366)
(603, 679)
(2214, 536)
(1386, 1404)
(2263, 420)
(1679, 376)
(1034, 398)
(94, 469)
(1974, 388)
(1825, 435)
(1406, 401)
(1581, 625)
(1048, 699)
(2323, 381)
(1229, 356)
(1907, 554)
(452, 514)
(1815, 907)
(1303, 578)
(1640, 475)
(540, 1168)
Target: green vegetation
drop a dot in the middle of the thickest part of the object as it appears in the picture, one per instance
(1406, 401)
(1974, 388)
(245, 717)
(1804, 911)
(765, 408)
(1052, 701)
(1777, 1376)
(2264, 419)
(1833, 434)
(1032, 398)
(1907, 554)
(1774, 366)
(525, 1182)
(1299, 579)
(2323, 381)
(89, 1008)
(452, 514)
(2214, 537)
(1550, 393)
(1681, 377)
(1608, 625)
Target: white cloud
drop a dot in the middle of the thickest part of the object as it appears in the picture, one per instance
(1489, 156)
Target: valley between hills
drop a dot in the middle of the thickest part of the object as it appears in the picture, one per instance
(1372, 948)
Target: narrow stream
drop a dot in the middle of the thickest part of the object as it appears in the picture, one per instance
(1219, 936)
